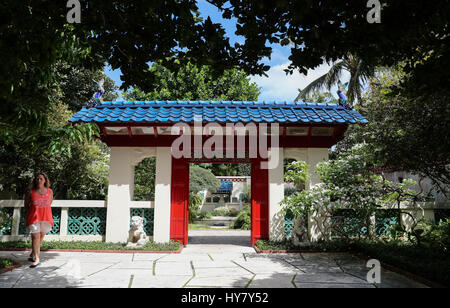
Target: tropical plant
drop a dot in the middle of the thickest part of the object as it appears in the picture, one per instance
(349, 184)
(144, 179)
(220, 211)
(404, 132)
(5, 220)
(195, 201)
(201, 179)
(244, 219)
(197, 83)
(360, 73)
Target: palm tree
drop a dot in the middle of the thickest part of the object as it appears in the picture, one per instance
(360, 72)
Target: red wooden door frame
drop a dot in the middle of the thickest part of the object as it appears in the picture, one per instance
(179, 192)
(260, 202)
(179, 205)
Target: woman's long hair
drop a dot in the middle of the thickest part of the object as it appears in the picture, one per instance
(35, 182)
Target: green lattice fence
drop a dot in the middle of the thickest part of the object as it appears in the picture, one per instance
(349, 222)
(148, 215)
(384, 219)
(7, 229)
(86, 221)
(23, 215)
(288, 224)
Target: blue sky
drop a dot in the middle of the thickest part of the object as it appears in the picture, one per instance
(277, 86)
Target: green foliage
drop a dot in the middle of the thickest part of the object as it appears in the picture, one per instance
(432, 235)
(289, 191)
(75, 161)
(76, 85)
(203, 214)
(296, 172)
(348, 183)
(313, 42)
(82, 175)
(246, 195)
(194, 83)
(5, 219)
(201, 179)
(220, 211)
(174, 33)
(228, 169)
(244, 219)
(334, 246)
(195, 201)
(5, 263)
(404, 131)
(360, 73)
(144, 179)
(316, 97)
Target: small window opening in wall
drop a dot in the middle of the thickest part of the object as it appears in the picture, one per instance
(144, 180)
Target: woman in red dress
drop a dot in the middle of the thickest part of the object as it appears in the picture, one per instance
(39, 219)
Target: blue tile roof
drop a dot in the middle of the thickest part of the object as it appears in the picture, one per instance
(218, 111)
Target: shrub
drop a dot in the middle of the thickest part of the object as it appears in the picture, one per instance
(5, 220)
(203, 214)
(220, 211)
(432, 235)
(195, 200)
(5, 263)
(243, 220)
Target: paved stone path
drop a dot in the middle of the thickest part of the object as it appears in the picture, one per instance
(211, 259)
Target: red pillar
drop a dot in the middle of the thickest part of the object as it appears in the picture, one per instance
(260, 202)
(179, 214)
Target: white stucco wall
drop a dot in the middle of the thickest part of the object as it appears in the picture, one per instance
(161, 233)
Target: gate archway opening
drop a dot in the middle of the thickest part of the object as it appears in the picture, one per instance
(259, 199)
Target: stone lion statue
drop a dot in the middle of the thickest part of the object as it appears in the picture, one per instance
(137, 236)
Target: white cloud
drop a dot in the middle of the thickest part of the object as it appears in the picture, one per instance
(281, 87)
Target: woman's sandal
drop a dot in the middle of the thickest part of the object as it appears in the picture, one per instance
(35, 264)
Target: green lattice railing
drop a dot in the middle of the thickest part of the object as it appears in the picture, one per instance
(148, 215)
(86, 221)
(288, 224)
(350, 222)
(384, 219)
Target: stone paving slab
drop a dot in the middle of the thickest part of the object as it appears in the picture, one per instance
(148, 256)
(327, 278)
(141, 280)
(267, 267)
(333, 285)
(221, 272)
(272, 281)
(220, 282)
(212, 264)
(224, 261)
(173, 268)
(134, 265)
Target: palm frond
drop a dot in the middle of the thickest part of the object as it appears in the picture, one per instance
(326, 80)
(359, 76)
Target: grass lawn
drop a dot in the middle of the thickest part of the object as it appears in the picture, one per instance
(205, 227)
(430, 263)
(150, 246)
